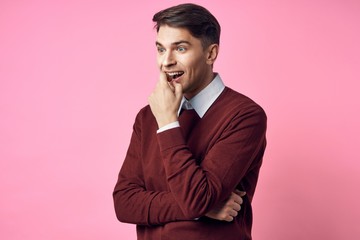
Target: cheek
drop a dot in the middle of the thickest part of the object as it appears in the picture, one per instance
(191, 64)
(196, 66)
(158, 61)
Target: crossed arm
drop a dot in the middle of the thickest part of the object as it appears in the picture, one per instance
(135, 204)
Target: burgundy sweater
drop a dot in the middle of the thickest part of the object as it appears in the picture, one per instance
(168, 182)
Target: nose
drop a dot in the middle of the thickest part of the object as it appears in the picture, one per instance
(168, 59)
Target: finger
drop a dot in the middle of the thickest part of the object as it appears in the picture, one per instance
(229, 218)
(163, 77)
(236, 206)
(240, 193)
(236, 198)
(164, 84)
(171, 85)
(233, 213)
(178, 90)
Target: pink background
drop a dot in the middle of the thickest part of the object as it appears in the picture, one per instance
(73, 74)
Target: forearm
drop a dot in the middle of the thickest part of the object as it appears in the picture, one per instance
(199, 187)
(133, 204)
(195, 190)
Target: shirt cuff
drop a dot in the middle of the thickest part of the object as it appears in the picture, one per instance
(168, 126)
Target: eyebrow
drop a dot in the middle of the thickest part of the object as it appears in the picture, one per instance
(175, 43)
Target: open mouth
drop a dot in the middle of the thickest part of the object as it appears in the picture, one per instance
(173, 75)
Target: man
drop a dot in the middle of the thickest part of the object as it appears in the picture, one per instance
(198, 146)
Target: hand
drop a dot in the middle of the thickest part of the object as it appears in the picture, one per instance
(227, 210)
(165, 100)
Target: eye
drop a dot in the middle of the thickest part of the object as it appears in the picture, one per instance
(181, 49)
(160, 49)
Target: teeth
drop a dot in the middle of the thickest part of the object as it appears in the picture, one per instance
(173, 73)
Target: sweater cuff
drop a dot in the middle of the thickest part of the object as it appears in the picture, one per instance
(170, 138)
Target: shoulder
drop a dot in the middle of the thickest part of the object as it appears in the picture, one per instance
(233, 112)
(237, 103)
(145, 118)
(144, 112)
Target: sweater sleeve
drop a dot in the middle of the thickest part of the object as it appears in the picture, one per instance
(133, 202)
(199, 187)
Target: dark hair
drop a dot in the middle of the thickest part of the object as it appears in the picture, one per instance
(196, 19)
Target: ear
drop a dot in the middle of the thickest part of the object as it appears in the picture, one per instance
(212, 53)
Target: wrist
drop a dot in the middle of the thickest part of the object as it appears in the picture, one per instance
(165, 121)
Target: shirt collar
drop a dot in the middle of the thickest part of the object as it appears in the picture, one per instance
(202, 101)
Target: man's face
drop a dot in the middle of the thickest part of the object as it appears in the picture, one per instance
(184, 60)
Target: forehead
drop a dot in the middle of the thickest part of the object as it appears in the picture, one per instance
(169, 35)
